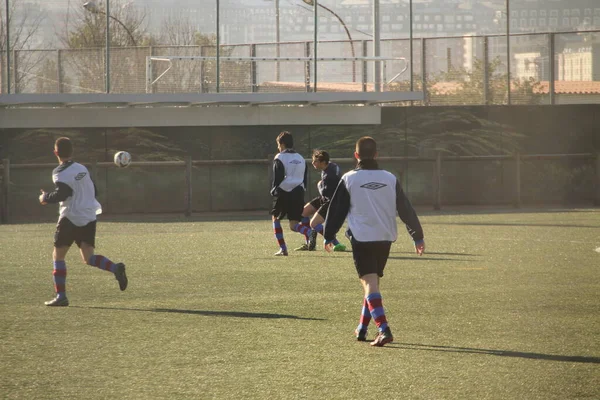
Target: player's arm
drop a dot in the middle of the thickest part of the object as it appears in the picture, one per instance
(408, 215)
(278, 176)
(61, 192)
(339, 207)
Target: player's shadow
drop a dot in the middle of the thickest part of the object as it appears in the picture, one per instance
(500, 353)
(425, 258)
(209, 313)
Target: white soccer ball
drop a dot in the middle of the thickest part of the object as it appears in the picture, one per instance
(122, 159)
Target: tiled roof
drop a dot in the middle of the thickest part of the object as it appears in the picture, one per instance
(441, 88)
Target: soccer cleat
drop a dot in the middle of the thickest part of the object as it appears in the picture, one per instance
(312, 241)
(281, 252)
(339, 247)
(57, 302)
(304, 247)
(382, 338)
(121, 276)
(361, 335)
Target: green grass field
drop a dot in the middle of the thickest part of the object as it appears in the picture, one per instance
(504, 305)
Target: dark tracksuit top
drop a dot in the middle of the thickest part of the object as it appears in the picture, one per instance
(370, 198)
(330, 177)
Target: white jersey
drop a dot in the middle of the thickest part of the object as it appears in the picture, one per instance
(81, 207)
(295, 168)
(372, 213)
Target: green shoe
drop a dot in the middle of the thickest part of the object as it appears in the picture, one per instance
(304, 247)
(339, 247)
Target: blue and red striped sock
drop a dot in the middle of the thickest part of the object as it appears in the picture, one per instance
(376, 308)
(279, 234)
(365, 317)
(102, 262)
(303, 229)
(59, 276)
(305, 221)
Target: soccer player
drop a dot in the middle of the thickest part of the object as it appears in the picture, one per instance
(317, 207)
(287, 189)
(370, 197)
(76, 193)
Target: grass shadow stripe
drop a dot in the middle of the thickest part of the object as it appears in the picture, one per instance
(501, 353)
(209, 313)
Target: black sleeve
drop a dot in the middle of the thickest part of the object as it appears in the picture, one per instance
(306, 177)
(407, 214)
(338, 210)
(95, 189)
(61, 192)
(329, 185)
(278, 176)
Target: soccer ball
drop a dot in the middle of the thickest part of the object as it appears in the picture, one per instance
(122, 159)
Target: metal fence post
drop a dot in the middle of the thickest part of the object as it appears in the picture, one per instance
(424, 70)
(597, 199)
(437, 182)
(94, 171)
(253, 78)
(517, 202)
(365, 53)
(5, 190)
(307, 66)
(188, 184)
(551, 68)
(486, 71)
(59, 74)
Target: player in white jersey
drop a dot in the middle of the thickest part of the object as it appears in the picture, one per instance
(76, 193)
(287, 189)
(370, 197)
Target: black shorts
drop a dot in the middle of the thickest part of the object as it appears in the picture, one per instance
(321, 205)
(289, 204)
(370, 257)
(67, 233)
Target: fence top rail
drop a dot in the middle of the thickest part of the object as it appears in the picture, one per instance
(342, 160)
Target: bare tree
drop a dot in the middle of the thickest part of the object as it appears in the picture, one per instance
(24, 21)
(84, 31)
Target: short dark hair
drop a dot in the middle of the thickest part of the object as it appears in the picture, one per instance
(366, 147)
(320, 155)
(64, 147)
(286, 139)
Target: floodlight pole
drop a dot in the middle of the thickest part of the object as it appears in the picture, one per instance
(7, 49)
(376, 46)
(218, 69)
(315, 40)
(410, 44)
(278, 40)
(508, 51)
(107, 46)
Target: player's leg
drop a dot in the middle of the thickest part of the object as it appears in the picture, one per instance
(370, 259)
(279, 237)
(307, 212)
(294, 213)
(86, 241)
(63, 238)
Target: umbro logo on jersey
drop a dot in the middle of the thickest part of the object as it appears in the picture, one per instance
(80, 176)
(295, 162)
(373, 185)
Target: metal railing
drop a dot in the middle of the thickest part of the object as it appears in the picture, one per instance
(201, 190)
(545, 68)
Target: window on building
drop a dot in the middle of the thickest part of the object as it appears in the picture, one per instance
(533, 13)
(574, 21)
(524, 14)
(565, 21)
(553, 22)
(575, 13)
(532, 23)
(542, 13)
(513, 23)
(449, 19)
(596, 11)
(426, 18)
(554, 13)
(386, 18)
(523, 23)
(597, 21)
(542, 21)
(438, 18)
(396, 27)
(514, 14)
(587, 11)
